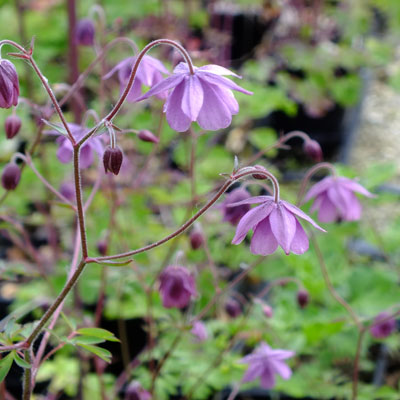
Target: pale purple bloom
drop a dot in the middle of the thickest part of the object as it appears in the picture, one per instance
(67, 189)
(335, 199)
(265, 363)
(381, 330)
(135, 391)
(149, 74)
(177, 286)
(205, 96)
(200, 331)
(273, 224)
(234, 214)
(65, 150)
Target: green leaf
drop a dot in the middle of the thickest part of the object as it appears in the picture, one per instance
(5, 365)
(98, 351)
(98, 333)
(20, 361)
(58, 128)
(86, 340)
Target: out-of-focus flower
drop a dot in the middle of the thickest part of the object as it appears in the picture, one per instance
(148, 136)
(273, 224)
(12, 126)
(383, 326)
(85, 32)
(303, 298)
(232, 308)
(234, 214)
(265, 363)
(268, 311)
(102, 247)
(149, 73)
(65, 150)
(200, 331)
(11, 176)
(196, 237)
(205, 96)
(9, 84)
(112, 159)
(313, 150)
(135, 391)
(67, 189)
(335, 199)
(177, 286)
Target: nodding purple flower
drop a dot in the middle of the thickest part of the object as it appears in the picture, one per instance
(9, 84)
(85, 32)
(199, 330)
(313, 150)
(11, 176)
(303, 298)
(234, 214)
(233, 308)
(147, 136)
(205, 96)
(135, 391)
(273, 224)
(112, 159)
(335, 199)
(177, 286)
(384, 326)
(149, 73)
(65, 150)
(12, 126)
(265, 363)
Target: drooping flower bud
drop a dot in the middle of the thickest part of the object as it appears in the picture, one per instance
(102, 247)
(232, 308)
(85, 32)
(177, 287)
(11, 176)
(9, 85)
(112, 159)
(148, 136)
(12, 126)
(196, 238)
(259, 176)
(303, 298)
(313, 150)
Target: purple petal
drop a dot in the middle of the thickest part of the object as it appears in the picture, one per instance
(182, 68)
(296, 211)
(229, 99)
(341, 198)
(300, 241)
(283, 225)
(354, 186)
(318, 188)
(252, 373)
(176, 118)
(353, 212)
(217, 70)
(327, 210)
(86, 156)
(267, 378)
(263, 241)
(163, 86)
(135, 92)
(281, 368)
(192, 97)
(252, 200)
(214, 113)
(65, 152)
(279, 354)
(221, 81)
(250, 220)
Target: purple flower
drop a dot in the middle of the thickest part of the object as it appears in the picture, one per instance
(273, 224)
(112, 159)
(177, 287)
(84, 32)
(11, 176)
(67, 189)
(200, 331)
(381, 330)
(134, 391)
(265, 362)
(205, 97)
(234, 214)
(65, 149)
(233, 308)
(149, 74)
(9, 85)
(335, 199)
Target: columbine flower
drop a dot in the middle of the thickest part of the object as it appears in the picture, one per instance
(177, 287)
(85, 32)
(135, 391)
(9, 85)
(265, 363)
(199, 330)
(234, 214)
(335, 199)
(112, 159)
(381, 330)
(149, 73)
(205, 97)
(273, 224)
(65, 150)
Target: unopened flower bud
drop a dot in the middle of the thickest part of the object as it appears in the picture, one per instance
(259, 176)
(11, 176)
(232, 308)
(303, 298)
(313, 150)
(102, 247)
(112, 159)
(148, 136)
(268, 311)
(85, 32)
(9, 85)
(12, 126)
(196, 238)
